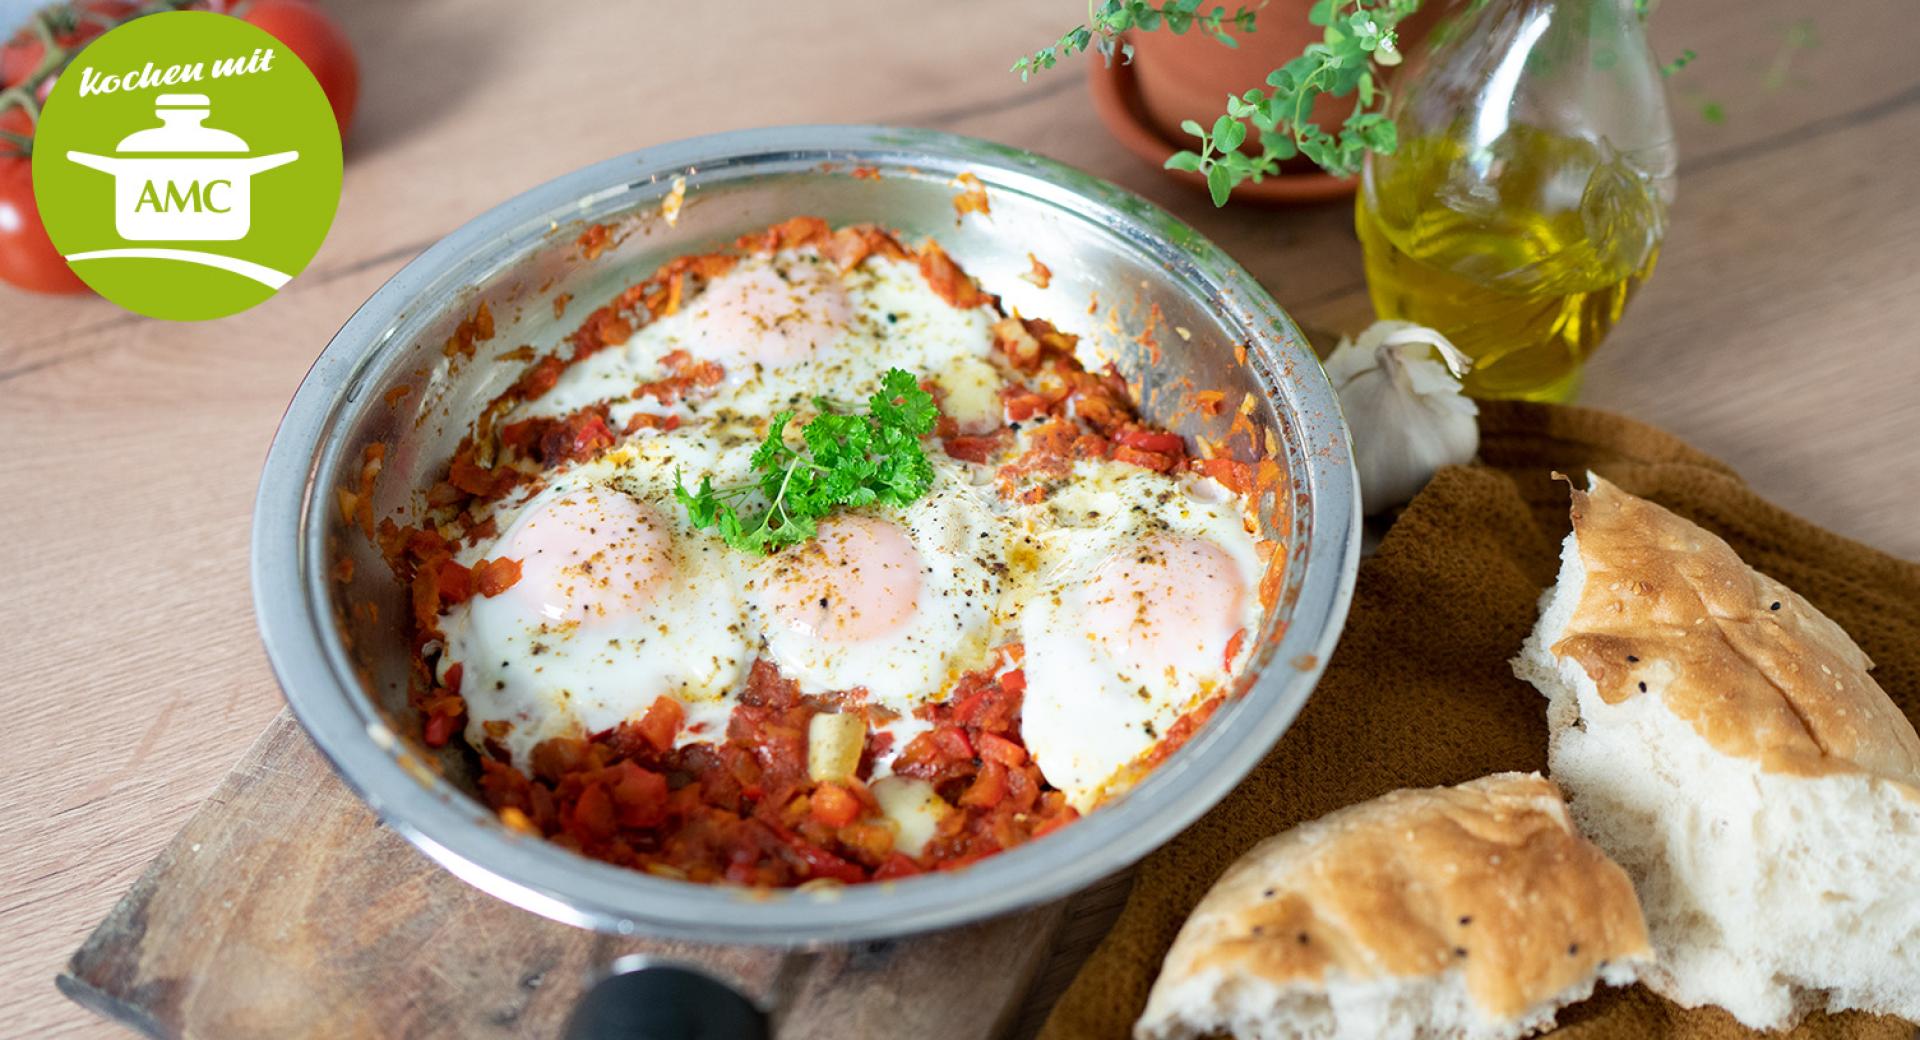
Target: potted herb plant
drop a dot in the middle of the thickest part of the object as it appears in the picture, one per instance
(1289, 67)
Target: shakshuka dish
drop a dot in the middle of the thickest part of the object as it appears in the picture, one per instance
(803, 561)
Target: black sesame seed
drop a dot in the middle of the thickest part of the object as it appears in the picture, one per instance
(1268, 894)
(1303, 938)
(1632, 659)
(1459, 951)
(1643, 687)
(1259, 929)
(1466, 919)
(1573, 949)
(1776, 605)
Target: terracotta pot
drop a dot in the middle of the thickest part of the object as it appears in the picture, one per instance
(1175, 78)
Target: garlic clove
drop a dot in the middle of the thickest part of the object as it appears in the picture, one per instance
(1399, 386)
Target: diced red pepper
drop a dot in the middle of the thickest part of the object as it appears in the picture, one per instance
(661, 724)
(1154, 461)
(897, 865)
(438, 730)
(976, 448)
(996, 748)
(593, 814)
(1054, 823)
(821, 863)
(952, 741)
(1234, 475)
(1233, 647)
(639, 795)
(492, 577)
(1158, 441)
(988, 788)
(456, 584)
(1023, 406)
(834, 805)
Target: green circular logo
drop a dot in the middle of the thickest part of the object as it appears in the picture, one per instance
(187, 165)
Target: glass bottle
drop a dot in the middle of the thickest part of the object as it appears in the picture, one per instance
(1528, 196)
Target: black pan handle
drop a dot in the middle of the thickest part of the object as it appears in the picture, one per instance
(641, 999)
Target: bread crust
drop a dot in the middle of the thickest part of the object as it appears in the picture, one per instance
(1670, 611)
(1488, 878)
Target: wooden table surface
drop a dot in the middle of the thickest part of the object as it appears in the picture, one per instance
(1779, 334)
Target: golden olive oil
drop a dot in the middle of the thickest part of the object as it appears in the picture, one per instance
(1528, 268)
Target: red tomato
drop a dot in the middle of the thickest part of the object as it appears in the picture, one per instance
(319, 43)
(70, 25)
(27, 257)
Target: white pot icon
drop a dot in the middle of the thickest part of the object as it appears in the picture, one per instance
(183, 181)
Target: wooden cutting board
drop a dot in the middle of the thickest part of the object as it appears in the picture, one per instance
(283, 909)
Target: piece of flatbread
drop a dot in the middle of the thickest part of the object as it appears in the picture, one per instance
(1474, 911)
(1721, 738)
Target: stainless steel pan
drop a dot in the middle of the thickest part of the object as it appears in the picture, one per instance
(344, 670)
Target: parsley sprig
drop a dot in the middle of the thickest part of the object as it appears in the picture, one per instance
(844, 461)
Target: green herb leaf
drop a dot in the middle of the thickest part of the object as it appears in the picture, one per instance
(1219, 184)
(847, 461)
(1110, 18)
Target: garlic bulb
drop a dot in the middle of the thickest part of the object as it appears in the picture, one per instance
(1404, 407)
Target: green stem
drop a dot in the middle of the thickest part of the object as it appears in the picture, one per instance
(53, 58)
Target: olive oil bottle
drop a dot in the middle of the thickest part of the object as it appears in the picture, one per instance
(1527, 199)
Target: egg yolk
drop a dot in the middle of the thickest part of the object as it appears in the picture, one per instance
(755, 315)
(589, 555)
(858, 580)
(1169, 604)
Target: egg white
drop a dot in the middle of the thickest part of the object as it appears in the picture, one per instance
(550, 677)
(895, 321)
(1088, 715)
(961, 544)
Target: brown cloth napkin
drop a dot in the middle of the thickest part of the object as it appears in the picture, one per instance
(1419, 692)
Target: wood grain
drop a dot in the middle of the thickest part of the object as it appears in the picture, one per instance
(1777, 335)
